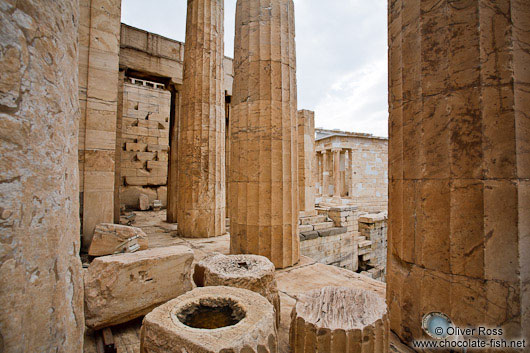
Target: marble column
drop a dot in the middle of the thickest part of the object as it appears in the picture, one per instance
(172, 178)
(336, 174)
(41, 283)
(264, 134)
(201, 209)
(306, 154)
(320, 173)
(459, 165)
(325, 174)
(347, 173)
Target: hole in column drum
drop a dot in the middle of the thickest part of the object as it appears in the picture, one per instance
(244, 265)
(211, 314)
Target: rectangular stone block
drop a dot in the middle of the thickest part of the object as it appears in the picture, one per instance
(122, 287)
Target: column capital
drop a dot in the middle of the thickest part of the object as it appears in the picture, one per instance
(335, 150)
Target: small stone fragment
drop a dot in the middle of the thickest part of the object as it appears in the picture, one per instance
(143, 201)
(112, 238)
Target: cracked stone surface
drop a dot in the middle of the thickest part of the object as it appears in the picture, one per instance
(119, 288)
(255, 331)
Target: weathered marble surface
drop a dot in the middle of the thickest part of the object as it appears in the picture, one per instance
(256, 332)
(264, 133)
(119, 288)
(201, 190)
(459, 211)
(338, 320)
(41, 289)
(98, 64)
(306, 162)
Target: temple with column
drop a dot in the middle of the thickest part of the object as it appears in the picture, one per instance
(277, 236)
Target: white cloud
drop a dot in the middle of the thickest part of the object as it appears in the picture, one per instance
(341, 54)
(357, 101)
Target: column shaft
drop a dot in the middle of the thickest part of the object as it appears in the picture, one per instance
(264, 163)
(336, 174)
(201, 146)
(41, 284)
(459, 164)
(348, 173)
(306, 157)
(325, 174)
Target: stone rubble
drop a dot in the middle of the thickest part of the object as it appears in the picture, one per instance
(122, 287)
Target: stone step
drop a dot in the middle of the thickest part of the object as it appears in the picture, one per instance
(305, 228)
(313, 220)
(322, 233)
(323, 225)
(367, 256)
(365, 244)
(364, 251)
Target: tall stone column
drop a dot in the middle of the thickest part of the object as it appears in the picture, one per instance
(336, 174)
(172, 180)
(264, 163)
(325, 174)
(41, 286)
(306, 160)
(459, 164)
(320, 164)
(348, 172)
(201, 209)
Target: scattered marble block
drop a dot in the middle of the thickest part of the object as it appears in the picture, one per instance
(122, 287)
(338, 320)
(113, 238)
(252, 272)
(157, 205)
(211, 320)
(143, 201)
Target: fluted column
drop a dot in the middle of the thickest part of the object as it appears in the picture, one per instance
(459, 164)
(336, 174)
(263, 164)
(325, 174)
(201, 145)
(320, 164)
(306, 162)
(348, 173)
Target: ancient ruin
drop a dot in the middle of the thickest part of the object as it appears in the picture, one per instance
(212, 319)
(337, 320)
(135, 168)
(264, 181)
(200, 191)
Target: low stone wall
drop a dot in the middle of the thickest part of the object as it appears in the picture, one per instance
(334, 246)
(337, 249)
(373, 227)
(345, 216)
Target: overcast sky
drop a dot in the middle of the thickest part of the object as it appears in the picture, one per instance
(341, 55)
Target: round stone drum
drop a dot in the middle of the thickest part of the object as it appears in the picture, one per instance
(252, 272)
(339, 320)
(211, 320)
